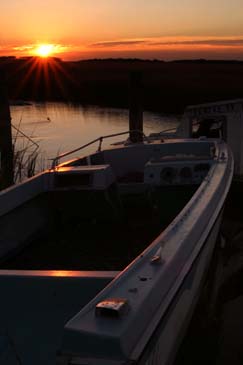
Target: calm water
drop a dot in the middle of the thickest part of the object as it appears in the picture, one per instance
(59, 127)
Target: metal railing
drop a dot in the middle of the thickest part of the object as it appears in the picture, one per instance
(174, 129)
(99, 139)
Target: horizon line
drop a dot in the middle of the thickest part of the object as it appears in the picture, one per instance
(122, 59)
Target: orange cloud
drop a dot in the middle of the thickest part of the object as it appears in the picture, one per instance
(172, 41)
(169, 47)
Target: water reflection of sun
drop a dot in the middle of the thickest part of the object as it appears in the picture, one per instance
(44, 50)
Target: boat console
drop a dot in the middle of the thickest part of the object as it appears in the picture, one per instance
(176, 171)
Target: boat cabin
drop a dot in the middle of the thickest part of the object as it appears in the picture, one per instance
(223, 119)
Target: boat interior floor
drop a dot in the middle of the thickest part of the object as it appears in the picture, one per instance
(84, 237)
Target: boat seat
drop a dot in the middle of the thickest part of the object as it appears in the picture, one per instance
(89, 177)
(86, 193)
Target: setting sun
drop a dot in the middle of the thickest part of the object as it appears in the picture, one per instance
(44, 50)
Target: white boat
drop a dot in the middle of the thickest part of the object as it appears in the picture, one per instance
(103, 257)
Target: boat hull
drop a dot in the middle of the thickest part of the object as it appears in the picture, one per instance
(165, 341)
(163, 284)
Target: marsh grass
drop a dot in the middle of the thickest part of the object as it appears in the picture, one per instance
(27, 157)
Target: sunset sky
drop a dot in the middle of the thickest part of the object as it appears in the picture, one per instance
(162, 29)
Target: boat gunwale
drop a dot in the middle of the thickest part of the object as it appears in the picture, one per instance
(194, 255)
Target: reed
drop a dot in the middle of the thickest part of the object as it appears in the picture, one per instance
(27, 157)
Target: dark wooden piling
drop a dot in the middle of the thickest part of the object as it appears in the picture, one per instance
(136, 109)
(6, 150)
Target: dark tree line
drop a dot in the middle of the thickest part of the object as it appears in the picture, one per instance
(167, 86)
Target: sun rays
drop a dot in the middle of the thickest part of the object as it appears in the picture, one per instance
(43, 76)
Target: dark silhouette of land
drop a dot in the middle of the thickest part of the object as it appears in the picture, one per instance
(167, 86)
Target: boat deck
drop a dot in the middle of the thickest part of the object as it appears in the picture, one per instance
(76, 243)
